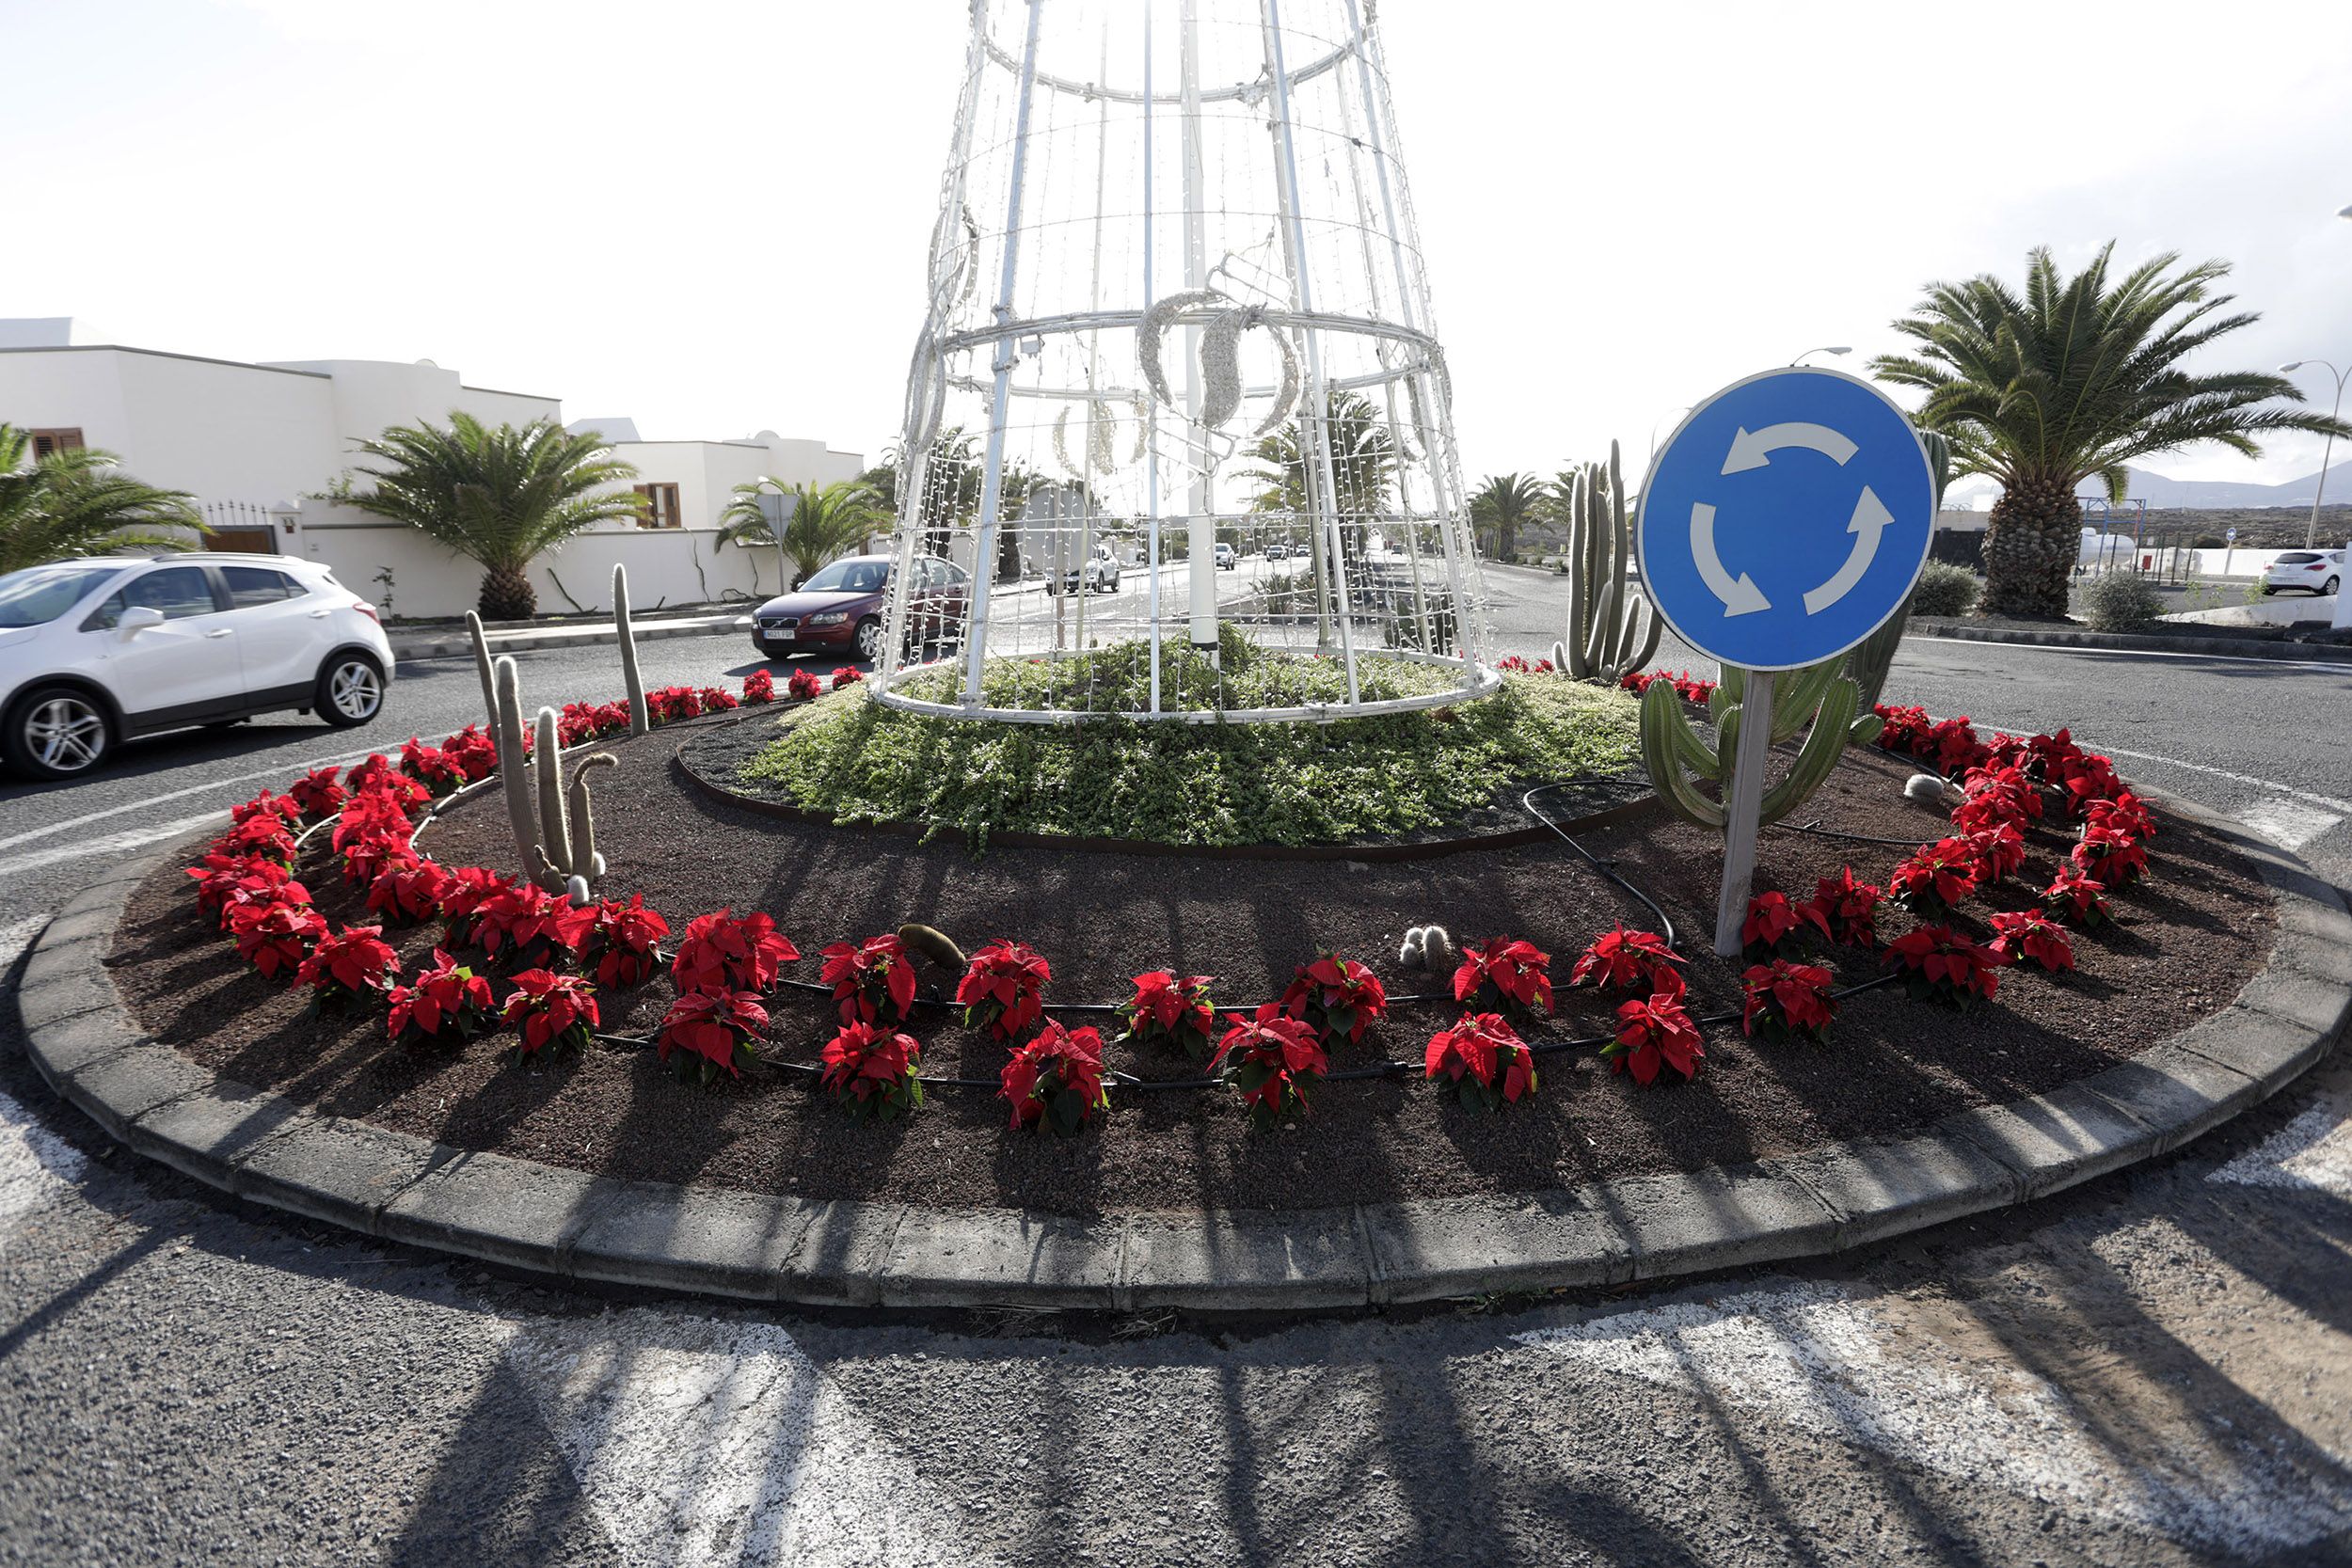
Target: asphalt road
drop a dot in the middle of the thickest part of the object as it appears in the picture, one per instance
(2154, 1369)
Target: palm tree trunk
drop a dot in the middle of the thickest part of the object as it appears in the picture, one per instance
(2031, 549)
(507, 596)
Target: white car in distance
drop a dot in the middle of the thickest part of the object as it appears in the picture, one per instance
(98, 651)
(2318, 571)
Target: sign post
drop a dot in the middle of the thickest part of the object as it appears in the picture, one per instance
(1783, 523)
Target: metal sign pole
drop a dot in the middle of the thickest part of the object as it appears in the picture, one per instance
(1743, 804)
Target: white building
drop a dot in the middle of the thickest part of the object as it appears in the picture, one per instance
(261, 446)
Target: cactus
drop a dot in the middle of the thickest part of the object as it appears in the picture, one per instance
(482, 666)
(1673, 752)
(1606, 636)
(555, 830)
(1868, 665)
(639, 720)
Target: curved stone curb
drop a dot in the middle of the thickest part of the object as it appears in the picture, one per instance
(576, 1226)
(2124, 642)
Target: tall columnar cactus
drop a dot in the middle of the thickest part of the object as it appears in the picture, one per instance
(1677, 759)
(482, 666)
(639, 720)
(1612, 628)
(1868, 665)
(555, 831)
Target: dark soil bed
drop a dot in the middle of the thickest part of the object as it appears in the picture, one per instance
(2184, 946)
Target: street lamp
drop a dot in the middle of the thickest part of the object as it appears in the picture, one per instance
(1810, 352)
(2310, 533)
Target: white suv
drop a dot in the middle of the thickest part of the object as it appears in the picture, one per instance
(94, 652)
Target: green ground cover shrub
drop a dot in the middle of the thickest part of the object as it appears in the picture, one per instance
(2117, 601)
(1946, 589)
(1295, 782)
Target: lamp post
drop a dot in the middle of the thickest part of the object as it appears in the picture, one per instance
(2311, 533)
(1810, 352)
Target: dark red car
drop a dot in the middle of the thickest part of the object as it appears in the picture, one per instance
(840, 610)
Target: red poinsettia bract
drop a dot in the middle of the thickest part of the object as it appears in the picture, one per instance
(2075, 898)
(469, 888)
(712, 1031)
(226, 882)
(1999, 851)
(620, 949)
(317, 793)
(1336, 997)
(872, 1071)
(2030, 936)
(1270, 1059)
(1937, 876)
(445, 1001)
(531, 926)
(1653, 1034)
(803, 686)
(1167, 1009)
(555, 1010)
(1772, 918)
(265, 837)
(1939, 964)
(284, 807)
(724, 951)
(1507, 974)
(1053, 1082)
(1627, 960)
(759, 687)
(2109, 856)
(1004, 989)
(1484, 1060)
(1849, 908)
(2127, 814)
(870, 979)
(273, 937)
(345, 965)
(1788, 1001)
(408, 889)
(849, 674)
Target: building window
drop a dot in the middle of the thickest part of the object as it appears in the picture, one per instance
(661, 508)
(46, 442)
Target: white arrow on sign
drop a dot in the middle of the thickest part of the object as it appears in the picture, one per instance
(1754, 451)
(1870, 518)
(1740, 596)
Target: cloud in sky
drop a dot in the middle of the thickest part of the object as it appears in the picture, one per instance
(712, 216)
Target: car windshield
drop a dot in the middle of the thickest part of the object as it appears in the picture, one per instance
(849, 576)
(38, 594)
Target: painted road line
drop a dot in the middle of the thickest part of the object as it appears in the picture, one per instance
(107, 844)
(2312, 1153)
(2288, 823)
(37, 1168)
(281, 771)
(1922, 1382)
(2137, 653)
(701, 1442)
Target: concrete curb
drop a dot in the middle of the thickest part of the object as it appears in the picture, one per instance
(2216, 647)
(456, 644)
(572, 1226)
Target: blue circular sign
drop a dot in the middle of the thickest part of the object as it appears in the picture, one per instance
(1786, 519)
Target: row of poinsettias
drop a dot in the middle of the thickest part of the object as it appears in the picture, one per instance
(556, 957)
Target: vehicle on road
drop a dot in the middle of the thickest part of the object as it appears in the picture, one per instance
(840, 608)
(1226, 559)
(1277, 552)
(2318, 571)
(1100, 572)
(97, 651)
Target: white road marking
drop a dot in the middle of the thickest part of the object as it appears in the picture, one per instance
(2144, 653)
(1899, 1378)
(696, 1442)
(2288, 823)
(287, 771)
(107, 844)
(2313, 1152)
(36, 1167)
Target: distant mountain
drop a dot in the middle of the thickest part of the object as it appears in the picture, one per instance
(2159, 491)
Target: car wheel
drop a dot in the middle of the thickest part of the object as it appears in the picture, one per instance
(2328, 588)
(350, 691)
(869, 639)
(57, 732)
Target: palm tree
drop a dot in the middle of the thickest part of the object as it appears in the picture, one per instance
(502, 497)
(1363, 463)
(1501, 506)
(825, 520)
(73, 502)
(2071, 382)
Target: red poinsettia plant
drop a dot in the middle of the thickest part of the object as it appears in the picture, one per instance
(446, 1002)
(376, 775)
(557, 1012)
(1849, 908)
(759, 687)
(1936, 878)
(871, 980)
(803, 686)
(264, 837)
(1939, 964)
(872, 1071)
(1507, 974)
(226, 882)
(346, 965)
(1004, 989)
(1270, 1059)
(1788, 1001)
(525, 925)
(624, 943)
(711, 1032)
(1336, 997)
(1654, 1033)
(1999, 851)
(1484, 1060)
(284, 807)
(2076, 899)
(273, 937)
(1053, 1080)
(2029, 936)
(408, 889)
(724, 951)
(317, 793)
(469, 888)
(849, 674)
(2127, 814)
(431, 766)
(718, 699)
(1171, 1009)
(2109, 856)
(1772, 919)
(1627, 960)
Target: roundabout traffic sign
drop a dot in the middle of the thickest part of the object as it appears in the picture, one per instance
(1785, 518)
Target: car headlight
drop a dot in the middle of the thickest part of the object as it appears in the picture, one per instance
(830, 618)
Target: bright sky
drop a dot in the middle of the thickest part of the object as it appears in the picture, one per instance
(711, 215)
